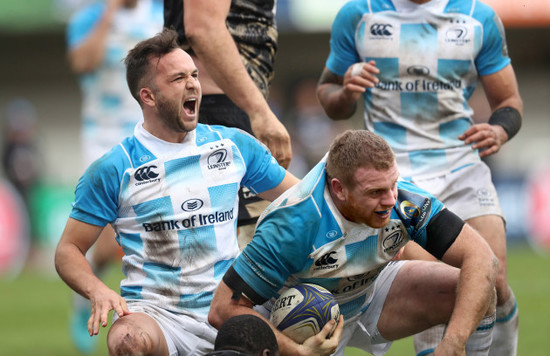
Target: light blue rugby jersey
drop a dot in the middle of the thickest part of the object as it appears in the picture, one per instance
(302, 237)
(429, 57)
(174, 208)
(109, 112)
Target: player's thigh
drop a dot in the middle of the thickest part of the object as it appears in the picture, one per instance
(135, 333)
(422, 295)
(491, 227)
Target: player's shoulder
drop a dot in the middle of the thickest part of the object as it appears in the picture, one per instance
(475, 8)
(355, 7)
(129, 153)
(90, 12)
(408, 190)
(414, 205)
(211, 133)
(303, 200)
(82, 22)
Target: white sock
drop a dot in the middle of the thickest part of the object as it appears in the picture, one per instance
(426, 341)
(505, 335)
(479, 342)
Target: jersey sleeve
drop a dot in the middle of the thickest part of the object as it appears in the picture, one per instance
(97, 191)
(493, 55)
(342, 40)
(428, 222)
(82, 23)
(263, 172)
(280, 247)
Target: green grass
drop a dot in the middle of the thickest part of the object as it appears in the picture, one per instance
(35, 311)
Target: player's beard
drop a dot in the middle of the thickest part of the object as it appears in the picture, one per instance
(171, 113)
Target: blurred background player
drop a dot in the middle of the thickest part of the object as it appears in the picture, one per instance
(233, 43)
(98, 38)
(416, 63)
(22, 168)
(21, 160)
(245, 335)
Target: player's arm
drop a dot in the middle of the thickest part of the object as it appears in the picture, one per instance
(338, 95)
(226, 303)
(475, 293)
(88, 55)
(211, 41)
(74, 269)
(502, 92)
(288, 181)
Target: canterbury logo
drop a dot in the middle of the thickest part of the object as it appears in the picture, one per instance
(381, 29)
(145, 173)
(326, 259)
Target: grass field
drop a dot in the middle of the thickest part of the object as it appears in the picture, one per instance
(35, 311)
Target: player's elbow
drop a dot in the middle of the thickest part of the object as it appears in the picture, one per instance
(216, 316)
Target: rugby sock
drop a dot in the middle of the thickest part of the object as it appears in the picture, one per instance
(505, 334)
(426, 341)
(479, 342)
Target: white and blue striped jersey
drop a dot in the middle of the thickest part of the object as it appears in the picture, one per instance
(174, 209)
(109, 112)
(429, 56)
(303, 238)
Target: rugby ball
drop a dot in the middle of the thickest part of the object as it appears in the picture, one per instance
(301, 311)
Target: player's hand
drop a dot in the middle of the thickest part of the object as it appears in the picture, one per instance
(358, 77)
(486, 138)
(274, 135)
(102, 301)
(321, 344)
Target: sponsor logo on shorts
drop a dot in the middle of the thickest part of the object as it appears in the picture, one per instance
(485, 197)
(147, 174)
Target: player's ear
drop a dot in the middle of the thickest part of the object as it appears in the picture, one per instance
(338, 188)
(147, 96)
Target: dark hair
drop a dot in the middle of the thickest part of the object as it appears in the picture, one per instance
(357, 148)
(138, 61)
(248, 334)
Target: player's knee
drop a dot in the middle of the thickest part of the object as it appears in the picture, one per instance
(492, 304)
(502, 288)
(127, 339)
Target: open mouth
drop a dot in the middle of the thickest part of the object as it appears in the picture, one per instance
(190, 106)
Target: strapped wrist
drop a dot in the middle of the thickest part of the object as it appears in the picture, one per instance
(509, 118)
